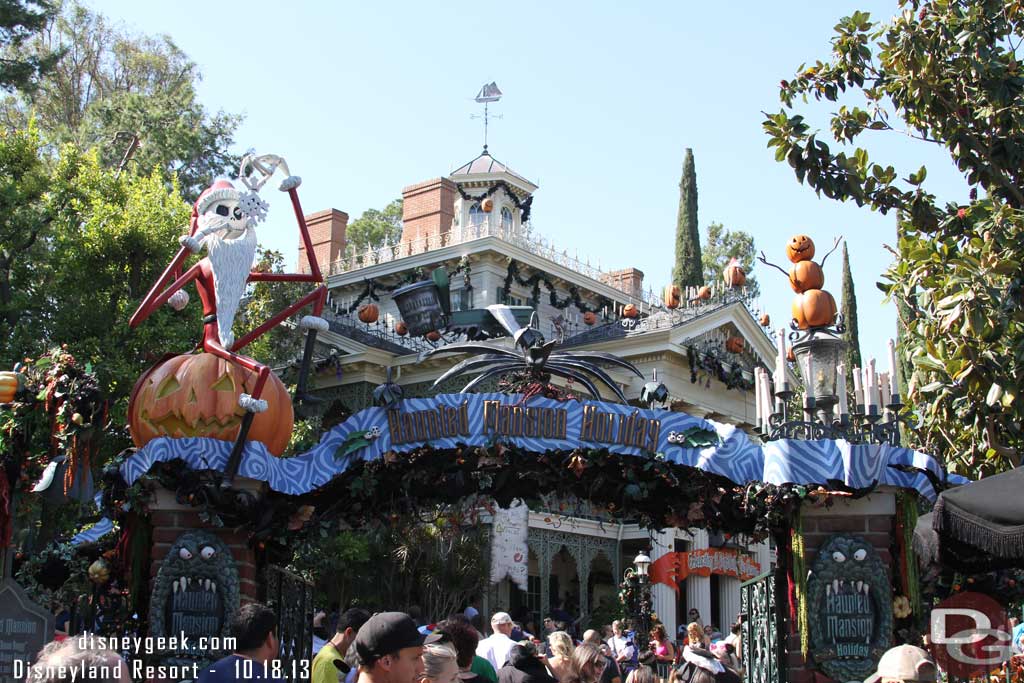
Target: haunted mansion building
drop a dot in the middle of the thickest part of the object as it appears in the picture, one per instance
(475, 224)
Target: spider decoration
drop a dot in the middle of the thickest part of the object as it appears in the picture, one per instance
(534, 357)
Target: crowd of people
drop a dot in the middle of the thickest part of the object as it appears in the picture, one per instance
(391, 647)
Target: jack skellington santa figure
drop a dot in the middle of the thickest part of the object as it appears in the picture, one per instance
(224, 223)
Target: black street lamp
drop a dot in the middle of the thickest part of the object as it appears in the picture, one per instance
(637, 579)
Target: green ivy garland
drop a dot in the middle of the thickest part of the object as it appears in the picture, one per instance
(372, 287)
(524, 205)
(533, 283)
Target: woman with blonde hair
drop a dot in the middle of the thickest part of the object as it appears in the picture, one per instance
(440, 663)
(560, 661)
(696, 651)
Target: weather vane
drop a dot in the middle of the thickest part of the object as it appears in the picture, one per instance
(488, 93)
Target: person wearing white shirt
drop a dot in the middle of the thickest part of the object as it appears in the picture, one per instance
(495, 648)
(621, 646)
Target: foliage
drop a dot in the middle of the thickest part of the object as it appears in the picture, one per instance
(688, 269)
(109, 81)
(723, 245)
(283, 343)
(374, 229)
(849, 311)
(19, 20)
(943, 73)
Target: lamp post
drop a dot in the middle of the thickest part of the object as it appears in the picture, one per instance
(637, 579)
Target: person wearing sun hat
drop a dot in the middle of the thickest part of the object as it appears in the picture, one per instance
(905, 664)
(390, 649)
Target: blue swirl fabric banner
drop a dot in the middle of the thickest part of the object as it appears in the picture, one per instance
(538, 425)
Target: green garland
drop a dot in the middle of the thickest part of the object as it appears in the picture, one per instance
(800, 582)
(534, 282)
(524, 206)
(371, 287)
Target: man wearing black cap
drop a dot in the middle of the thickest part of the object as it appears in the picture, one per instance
(390, 649)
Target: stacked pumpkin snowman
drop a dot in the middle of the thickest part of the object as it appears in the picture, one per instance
(812, 305)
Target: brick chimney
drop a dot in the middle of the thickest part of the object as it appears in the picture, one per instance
(327, 233)
(427, 209)
(628, 280)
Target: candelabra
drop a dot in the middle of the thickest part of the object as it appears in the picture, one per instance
(824, 412)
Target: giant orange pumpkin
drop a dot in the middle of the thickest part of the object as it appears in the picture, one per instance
(800, 248)
(487, 205)
(10, 382)
(805, 275)
(400, 329)
(197, 395)
(814, 308)
(672, 296)
(630, 311)
(369, 313)
(704, 292)
(734, 275)
(589, 317)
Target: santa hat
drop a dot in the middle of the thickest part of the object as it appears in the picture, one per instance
(220, 190)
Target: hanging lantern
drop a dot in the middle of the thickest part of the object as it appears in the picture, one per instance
(589, 318)
(369, 313)
(672, 296)
(487, 205)
(734, 275)
(630, 311)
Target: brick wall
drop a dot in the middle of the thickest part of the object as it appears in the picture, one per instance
(327, 233)
(873, 521)
(628, 280)
(168, 525)
(427, 209)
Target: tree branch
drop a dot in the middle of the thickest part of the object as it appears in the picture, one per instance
(763, 259)
(839, 240)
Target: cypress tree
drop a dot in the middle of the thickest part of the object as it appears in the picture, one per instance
(688, 269)
(849, 298)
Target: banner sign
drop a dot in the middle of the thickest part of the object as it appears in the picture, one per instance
(509, 549)
(539, 424)
(671, 568)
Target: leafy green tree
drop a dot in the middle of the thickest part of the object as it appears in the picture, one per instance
(849, 311)
(947, 74)
(283, 344)
(721, 246)
(688, 268)
(374, 228)
(111, 82)
(20, 20)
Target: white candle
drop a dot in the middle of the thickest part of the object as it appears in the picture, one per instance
(844, 408)
(871, 390)
(883, 387)
(780, 361)
(769, 397)
(758, 395)
(892, 370)
(858, 391)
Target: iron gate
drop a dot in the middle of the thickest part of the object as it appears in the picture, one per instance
(291, 597)
(762, 631)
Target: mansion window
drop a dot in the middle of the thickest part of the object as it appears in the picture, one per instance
(464, 299)
(476, 215)
(506, 219)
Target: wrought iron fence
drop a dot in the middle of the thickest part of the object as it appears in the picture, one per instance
(762, 631)
(291, 597)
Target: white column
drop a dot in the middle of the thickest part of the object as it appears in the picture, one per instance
(728, 602)
(698, 588)
(662, 596)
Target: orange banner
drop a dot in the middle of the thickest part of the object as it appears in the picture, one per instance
(671, 568)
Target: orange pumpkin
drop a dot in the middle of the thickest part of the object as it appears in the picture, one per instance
(805, 275)
(734, 344)
(800, 248)
(704, 292)
(814, 308)
(734, 275)
(765, 320)
(197, 395)
(10, 382)
(672, 296)
(400, 329)
(789, 355)
(589, 318)
(487, 205)
(369, 313)
(630, 311)
(433, 336)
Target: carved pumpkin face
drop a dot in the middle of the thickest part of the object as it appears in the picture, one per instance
(814, 308)
(400, 329)
(800, 248)
(589, 318)
(765, 321)
(197, 395)
(806, 275)
(672, 296)
(734, 344)
(704, 292)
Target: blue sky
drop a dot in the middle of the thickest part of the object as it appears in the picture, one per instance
(601, 99)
